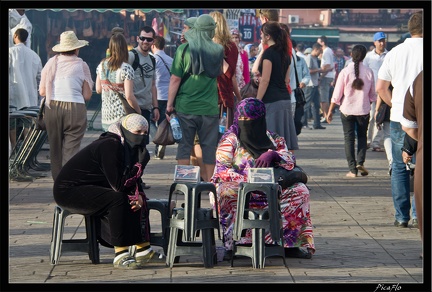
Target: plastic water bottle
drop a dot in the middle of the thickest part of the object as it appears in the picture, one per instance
(222, 123)
(175, 126)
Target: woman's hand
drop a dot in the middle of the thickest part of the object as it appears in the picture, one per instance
(267, 159)
(329, 117)
(136, 204)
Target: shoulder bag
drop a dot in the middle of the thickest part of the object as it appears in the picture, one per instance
(382, 113)
(298, 92)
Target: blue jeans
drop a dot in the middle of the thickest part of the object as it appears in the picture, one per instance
(352, 126)
(400, 177)
(313, 105)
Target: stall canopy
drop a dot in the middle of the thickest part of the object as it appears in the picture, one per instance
(112, 9)
(312, 34)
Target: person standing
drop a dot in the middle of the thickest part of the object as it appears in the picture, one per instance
(115, 76)
(354, 92)
(274, 69)
(401, 66)
(242, 67)
(163, 74)
(412, 123)
(25, 68)
(311, 90)
(374, 60)
(228, 89)
(18, 19)
(193, 92)
(327, 76)
(144, 83)
(252, 51)
(66, 84)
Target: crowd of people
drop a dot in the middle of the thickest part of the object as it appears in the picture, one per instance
(200, 84)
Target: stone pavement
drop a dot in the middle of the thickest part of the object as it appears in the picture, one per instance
(357, 246)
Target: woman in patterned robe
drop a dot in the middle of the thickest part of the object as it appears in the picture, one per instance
(248, 144)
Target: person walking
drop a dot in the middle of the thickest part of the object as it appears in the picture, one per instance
(193, 92)
(374, 60)
(354, 92)
(401, 66)
(163, 74)
(66, 84)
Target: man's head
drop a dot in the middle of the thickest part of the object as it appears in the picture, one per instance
(268, 15)
(159, 43)
(146, 38)
(316, 50)
(339, 53)
(20, 36)
(188, 24)
(322, 40)
(415, 24)
(379, 41)
(300, 47)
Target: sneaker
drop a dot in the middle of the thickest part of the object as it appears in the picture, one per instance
(152, 257)
(323, 120)
(319, 128)
(401, 224)
(414, 223)
(362, 169)
(127, 262)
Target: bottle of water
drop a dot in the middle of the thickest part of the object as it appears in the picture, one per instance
(175, 126)
(222, 123)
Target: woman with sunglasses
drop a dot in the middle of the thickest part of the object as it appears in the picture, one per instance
(115, 76)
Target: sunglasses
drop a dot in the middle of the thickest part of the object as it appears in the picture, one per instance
(142, 38)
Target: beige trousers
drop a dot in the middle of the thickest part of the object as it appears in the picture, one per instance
(66, 123)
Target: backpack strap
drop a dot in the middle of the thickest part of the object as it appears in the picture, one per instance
(136, 63)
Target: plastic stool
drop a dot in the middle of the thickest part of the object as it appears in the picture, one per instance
(58, 244)
(160, 238)
(187, 222)
(259, 220)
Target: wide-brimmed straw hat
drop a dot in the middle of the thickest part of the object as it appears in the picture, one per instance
(69, 42)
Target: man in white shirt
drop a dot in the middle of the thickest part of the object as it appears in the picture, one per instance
(327, 76)
(17, 19)
(374, 60)
(400, 67)
(163, 67)
(25, 68)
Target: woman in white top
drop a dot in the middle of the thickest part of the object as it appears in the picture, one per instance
(66, 84)
(115, 76)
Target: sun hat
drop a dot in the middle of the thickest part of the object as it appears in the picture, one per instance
(308, 51)
(379, 36)
(69, 42)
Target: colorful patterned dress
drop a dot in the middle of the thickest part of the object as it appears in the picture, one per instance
(232, 165)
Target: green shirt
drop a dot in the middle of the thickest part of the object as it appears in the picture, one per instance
(198, 95)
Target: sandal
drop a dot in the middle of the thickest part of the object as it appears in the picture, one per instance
(377, 149)
(362, 169)
(296, 252)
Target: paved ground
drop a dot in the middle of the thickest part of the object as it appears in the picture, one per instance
(358, 248)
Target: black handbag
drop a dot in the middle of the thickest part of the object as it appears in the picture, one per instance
(298, 92)
(383, 113)
(164, 135)
(286, 178)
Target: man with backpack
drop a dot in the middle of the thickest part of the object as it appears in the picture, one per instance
(144, 65)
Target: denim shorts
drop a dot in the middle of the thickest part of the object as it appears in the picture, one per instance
(324, 89)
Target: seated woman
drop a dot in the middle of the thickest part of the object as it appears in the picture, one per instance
(248, 144)
(104, 180)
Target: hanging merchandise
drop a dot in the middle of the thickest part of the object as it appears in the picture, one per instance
(88, 29)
